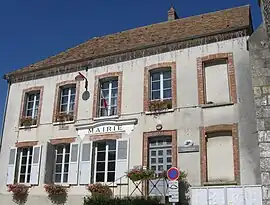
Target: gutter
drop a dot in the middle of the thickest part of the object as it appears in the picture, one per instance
(4, 114)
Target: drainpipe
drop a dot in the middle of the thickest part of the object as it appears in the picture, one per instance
(4, 114)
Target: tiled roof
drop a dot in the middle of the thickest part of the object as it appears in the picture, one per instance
(147, 36)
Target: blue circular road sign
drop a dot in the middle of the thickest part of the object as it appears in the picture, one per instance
(173, 173)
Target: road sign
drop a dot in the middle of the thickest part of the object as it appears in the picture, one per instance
(173, 173)
(173, 191)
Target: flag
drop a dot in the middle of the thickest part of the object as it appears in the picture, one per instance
(103, 99)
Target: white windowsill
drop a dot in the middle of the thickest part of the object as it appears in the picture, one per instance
(63, 123)
(63, 184)
(106, 117)
(28, 127)
(158, 112)
(216, 105)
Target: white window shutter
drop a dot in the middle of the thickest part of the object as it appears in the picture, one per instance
(73, 163)
(11, 165)
(122, 157)
(86, 162)
(36, 158)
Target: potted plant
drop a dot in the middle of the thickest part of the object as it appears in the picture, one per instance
(63, 117)
(28, 121)
(100, 189)
(138, 174)
(19, 193)
(160, 105)
(56, 193)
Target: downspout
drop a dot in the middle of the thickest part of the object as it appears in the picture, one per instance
(4, 114)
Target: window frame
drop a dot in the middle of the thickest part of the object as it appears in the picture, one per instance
(69, 95)
(202, 80)
(233, 128)
(97, 93)
(19, 165)
(106, 171)
(58, 98)
(147, 83)
(23, 108)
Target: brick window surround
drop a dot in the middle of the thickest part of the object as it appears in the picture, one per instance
(57, 97)
(26, 144)
(105, 137)
(169, 133)
(217, 128)
(201, 75)
(24, 93)
(96, 96)
(62, 140)
(147, 70)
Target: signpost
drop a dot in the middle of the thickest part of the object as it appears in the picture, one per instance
(173, 175)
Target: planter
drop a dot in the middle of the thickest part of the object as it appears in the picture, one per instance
(28, 121)
(159, 105)
(64, 117)
(99, 189)
(19, 193)
(140, 174)
(56, 193)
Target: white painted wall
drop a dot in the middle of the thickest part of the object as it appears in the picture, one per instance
(186, 120)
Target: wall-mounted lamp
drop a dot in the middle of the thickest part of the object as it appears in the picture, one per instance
(81, 77)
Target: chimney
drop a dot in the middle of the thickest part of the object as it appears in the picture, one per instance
(172, 15)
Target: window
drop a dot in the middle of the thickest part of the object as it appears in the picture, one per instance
(105, 161)
(219, 146)
(161, 88)
(62, 152)
(31, 109)
(108, 98)
(23, 166)
(217, 81)
(66, 106)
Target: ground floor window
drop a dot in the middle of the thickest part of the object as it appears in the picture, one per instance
(62, 152)
(24, 164)
(104, 161)
(160, 154)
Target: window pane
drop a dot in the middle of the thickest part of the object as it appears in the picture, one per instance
(167, 84)
(113, 101)
(113, 111)
(169, 159)
(111, 155)
(59, 158)
(28, 178)
(155, 95)
(100, 166)
(73, 90)
(155, 76)
(104, 93)
(160, 152)
(114, 83)
(24, 159)
(58, 168)
(153, 160)
(65, 179)
(23, 169)
(160, 160)
(169, 152)
(72, 98)
(63, 108)
(64, 100)
(103, 112)
(65, 91)
(100, 177)
(111, 166)
(166, 74)
(110, 177)
(156, 85)
(167, 93)
(111, 144)
(101, 156)
(30, 105)
(31, 97)
(22, 178)
(153, 153)
(114, 92)
(29, 113)
(57, 178)
(105, 85)
(101, 146)
(66, 168)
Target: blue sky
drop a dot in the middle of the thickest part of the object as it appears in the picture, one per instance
(35, 29)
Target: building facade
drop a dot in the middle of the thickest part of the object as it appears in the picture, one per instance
(175, 93)
(260, 62)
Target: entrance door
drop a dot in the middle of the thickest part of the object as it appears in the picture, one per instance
(160, 160)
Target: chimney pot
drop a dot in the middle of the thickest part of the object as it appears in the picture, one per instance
(172, 15)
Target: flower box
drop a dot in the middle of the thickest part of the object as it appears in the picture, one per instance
(159, 105)
(28, 121)
(64, 117)
(100, 189)
(138, 174)
(19, 193)
(56, 193)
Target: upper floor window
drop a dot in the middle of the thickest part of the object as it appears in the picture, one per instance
(108, 97)
(31, 107)
(216, 82)
(161, 88)
(66, 106)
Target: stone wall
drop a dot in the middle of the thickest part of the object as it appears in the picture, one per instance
(260, 64)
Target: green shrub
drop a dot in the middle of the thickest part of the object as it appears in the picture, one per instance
(101, 200)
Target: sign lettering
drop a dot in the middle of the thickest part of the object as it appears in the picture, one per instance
(105, 129)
